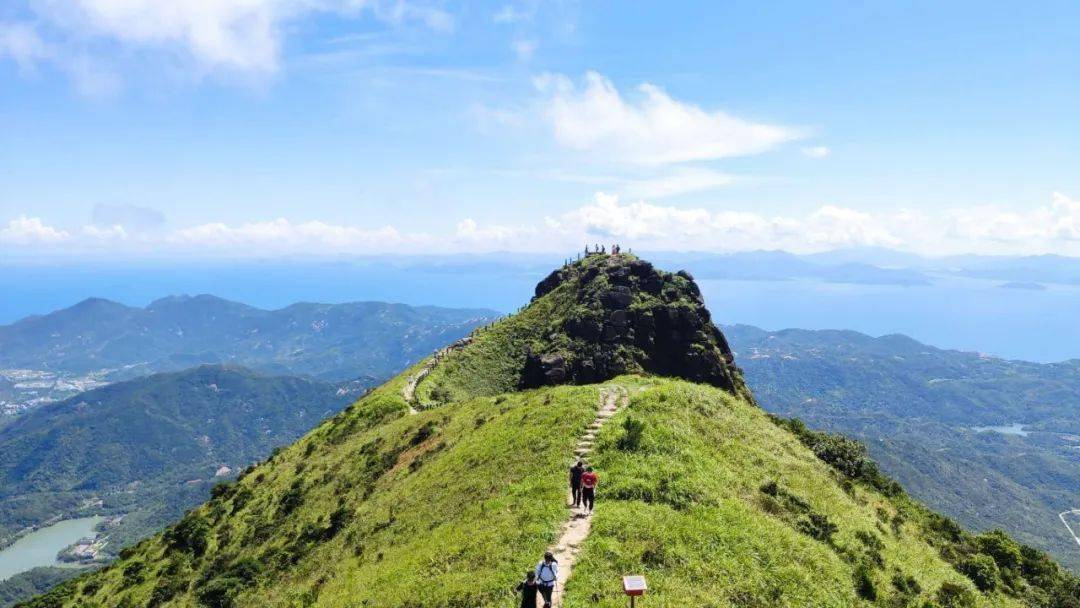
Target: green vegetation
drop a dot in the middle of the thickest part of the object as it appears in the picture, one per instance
(148, 448)
(335, 342)
(445, 508)
(33, 582)
(718, 506)
(916, 407)
(700, 491)
(592, 320)
(716, 502)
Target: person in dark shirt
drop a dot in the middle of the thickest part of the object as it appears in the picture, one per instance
(528, 588)
(575, 482)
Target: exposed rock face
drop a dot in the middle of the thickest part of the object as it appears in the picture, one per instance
(625, 317)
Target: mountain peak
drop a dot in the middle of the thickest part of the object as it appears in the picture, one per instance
(620, 314)
(592, 320)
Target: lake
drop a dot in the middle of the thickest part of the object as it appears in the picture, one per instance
(41, 546)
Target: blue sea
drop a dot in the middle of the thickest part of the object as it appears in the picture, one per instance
(968, 314)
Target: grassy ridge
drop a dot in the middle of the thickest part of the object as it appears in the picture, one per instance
(714, 502)
(374, 508)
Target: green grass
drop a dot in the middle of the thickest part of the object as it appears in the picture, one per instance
(445, 508)
(686, 510)
(492, 364)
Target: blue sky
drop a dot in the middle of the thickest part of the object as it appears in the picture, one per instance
(268, 127)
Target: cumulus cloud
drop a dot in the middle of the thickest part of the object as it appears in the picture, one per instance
(652, 129)
(29, 231)
(1050, 228)
(236, 35)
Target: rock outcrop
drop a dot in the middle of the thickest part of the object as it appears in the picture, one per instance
(625, 316)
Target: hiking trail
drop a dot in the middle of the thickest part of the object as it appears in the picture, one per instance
(576, 530)
(408, 392)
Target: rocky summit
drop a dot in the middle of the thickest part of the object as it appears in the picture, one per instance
(623, 315)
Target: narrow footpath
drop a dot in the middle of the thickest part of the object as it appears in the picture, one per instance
(408, 392)
(576, 529)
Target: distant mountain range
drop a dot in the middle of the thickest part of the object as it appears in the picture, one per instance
(48, 357)
(152, 447)
(992, 442)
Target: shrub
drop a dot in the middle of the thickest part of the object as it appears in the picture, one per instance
(951, 595)
(133, 574)
(292, 498)
(189, 535)
(864, 583)
(818, 527)
(1004, 550)
(633, 431)
(906, 585)
(982, 570)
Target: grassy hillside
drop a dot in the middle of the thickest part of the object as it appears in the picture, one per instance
(716, 505)
(920, 410)
(711, 498)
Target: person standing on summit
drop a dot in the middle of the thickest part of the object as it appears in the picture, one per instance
(576, 472)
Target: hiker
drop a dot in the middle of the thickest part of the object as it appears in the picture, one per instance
(547, 572)
(528, 589)
(588, 488)
(576, 472)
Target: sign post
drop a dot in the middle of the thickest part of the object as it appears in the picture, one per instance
(634, 586)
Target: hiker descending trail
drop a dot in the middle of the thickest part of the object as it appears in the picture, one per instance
(408, 392)
(576, 530)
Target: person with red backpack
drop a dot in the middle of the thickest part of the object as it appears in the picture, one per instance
(589, 480)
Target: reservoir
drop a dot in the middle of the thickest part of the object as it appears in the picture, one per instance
(40, 547)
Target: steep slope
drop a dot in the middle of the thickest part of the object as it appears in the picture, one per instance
(331, 341)
(149, 448)
(928, 416)
(701, 491)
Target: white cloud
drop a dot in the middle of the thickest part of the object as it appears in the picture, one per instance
(31, 230)
(239, 36)
(1050, 228)
(655, 129)
(116, 232)
(816, 151)
(21, 43)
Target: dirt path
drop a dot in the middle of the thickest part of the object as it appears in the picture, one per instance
(408, 392)
(576, 530)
